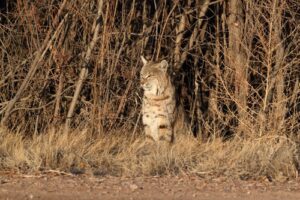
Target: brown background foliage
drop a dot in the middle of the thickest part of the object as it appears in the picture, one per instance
(236, 64)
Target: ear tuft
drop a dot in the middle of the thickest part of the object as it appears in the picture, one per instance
(164, 65)
(144, 60)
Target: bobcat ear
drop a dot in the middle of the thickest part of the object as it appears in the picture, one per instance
(144, 60)
(164, 65)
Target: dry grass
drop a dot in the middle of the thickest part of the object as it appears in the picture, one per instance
(274, 158)
(235, 63)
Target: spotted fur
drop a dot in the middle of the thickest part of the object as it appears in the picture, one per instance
(159, 104)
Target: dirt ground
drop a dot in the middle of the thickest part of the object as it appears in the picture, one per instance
(66, 186)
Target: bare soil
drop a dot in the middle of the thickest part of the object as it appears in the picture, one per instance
(66, 186)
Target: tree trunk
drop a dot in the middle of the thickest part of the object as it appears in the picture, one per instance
(237, 61)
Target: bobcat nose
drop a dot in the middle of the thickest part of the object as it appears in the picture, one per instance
(143, 81)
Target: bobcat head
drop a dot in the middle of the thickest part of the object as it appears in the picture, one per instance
(154, 77)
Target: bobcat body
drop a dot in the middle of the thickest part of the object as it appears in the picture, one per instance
(159, 103)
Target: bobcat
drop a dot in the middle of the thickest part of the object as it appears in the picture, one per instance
(159, 103)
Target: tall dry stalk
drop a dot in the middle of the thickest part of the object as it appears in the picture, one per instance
(84, 70)
(237, 60)
(38, 58)
(235, 64)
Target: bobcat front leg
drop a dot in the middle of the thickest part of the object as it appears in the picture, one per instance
(148, 134)
(166, 134)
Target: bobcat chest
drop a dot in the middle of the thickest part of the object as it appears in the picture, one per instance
(158, 111)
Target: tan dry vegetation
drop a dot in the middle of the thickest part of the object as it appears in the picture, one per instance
(75, 64)
(270, 157)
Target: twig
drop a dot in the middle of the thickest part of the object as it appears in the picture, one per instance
(38, 58)
(58, 172)
(84, 71)
(178, 41)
